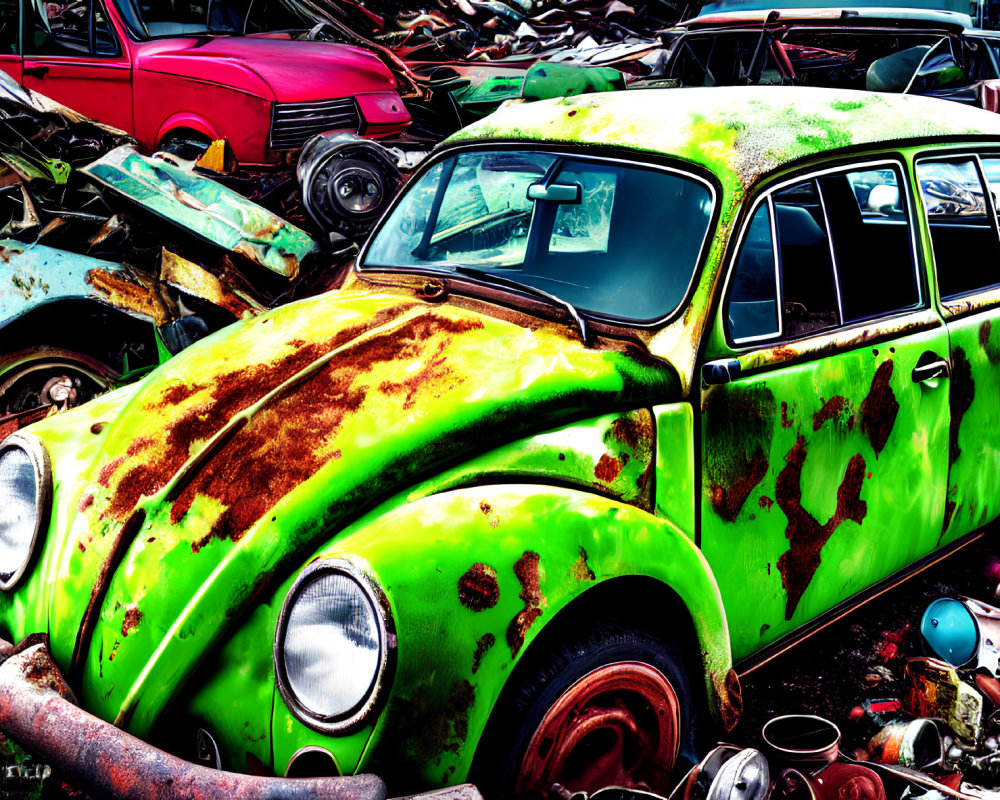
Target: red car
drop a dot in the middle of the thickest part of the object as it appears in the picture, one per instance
(185, 69)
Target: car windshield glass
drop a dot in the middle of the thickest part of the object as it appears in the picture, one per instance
(156, 18)
(614, 239)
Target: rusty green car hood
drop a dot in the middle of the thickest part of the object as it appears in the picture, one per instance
(230, 464)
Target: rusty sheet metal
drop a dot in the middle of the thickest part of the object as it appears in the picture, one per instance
(935, 690)
(37, 711)
(193, 279)
(370, 365)
(205, 208)
(34, 274)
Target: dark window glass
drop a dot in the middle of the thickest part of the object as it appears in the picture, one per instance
(965, 243)
(872, 242)
(808, 291)
(8, 27)
(610, 238)
(76, 27)
(753, 296)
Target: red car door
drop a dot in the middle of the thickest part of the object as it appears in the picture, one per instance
(10, 56)
(74, 54)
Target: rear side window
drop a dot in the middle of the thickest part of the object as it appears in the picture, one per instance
(75, 27)
(836, 249)
(962, 222)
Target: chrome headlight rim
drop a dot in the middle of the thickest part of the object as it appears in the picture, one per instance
(32, 446)
(376, 696)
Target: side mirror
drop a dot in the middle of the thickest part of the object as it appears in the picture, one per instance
(556, 192)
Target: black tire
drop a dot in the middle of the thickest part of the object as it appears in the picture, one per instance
(545, 675)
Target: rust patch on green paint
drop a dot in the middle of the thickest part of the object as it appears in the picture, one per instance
(879, 408)
(765, 502)
(485, 642)
(581, 570)
(831, 409)
(738, 439)
(526, 570)
(608, 468)
(634, 430)
(490, 515)
(991, 350)
(963, 390)
(478, 588)
(230, 393)
(133, 616)
(277, 448)
(949, 511)
(785, 421)
(806, 537)
(434, 368)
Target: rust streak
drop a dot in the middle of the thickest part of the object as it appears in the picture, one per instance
(608, 468)
(806, 537)
(581, 570)
(485, 642)
(133, 616)
(879, 408)
(526, 570)
(831, 409)
(478, 588)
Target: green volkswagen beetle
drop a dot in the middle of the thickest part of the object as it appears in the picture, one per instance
(626, 393)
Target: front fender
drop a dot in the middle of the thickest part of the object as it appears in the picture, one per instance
(472, 576)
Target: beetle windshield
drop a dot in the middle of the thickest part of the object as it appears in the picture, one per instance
(614, 239)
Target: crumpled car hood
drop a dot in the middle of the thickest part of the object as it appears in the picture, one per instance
(231, 463)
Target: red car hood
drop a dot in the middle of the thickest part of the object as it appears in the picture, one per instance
(276, 69)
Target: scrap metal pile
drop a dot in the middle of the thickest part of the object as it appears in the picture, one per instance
(115, 260)
(920, 719)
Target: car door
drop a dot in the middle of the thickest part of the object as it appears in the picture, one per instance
(824, 424)
(961, 219)
(10, 50)
(73, 54)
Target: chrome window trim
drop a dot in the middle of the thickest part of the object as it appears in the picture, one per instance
(899, 165)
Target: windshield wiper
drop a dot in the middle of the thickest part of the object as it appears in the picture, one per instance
(497, 280)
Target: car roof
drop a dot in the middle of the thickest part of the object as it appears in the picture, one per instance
(741, 133)
(722, 13)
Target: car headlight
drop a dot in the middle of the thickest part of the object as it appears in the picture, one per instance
(334, 646)
(25, 495)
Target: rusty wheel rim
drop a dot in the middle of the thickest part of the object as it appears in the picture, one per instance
(617, 726)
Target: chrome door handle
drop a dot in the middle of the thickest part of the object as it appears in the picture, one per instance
(935, 369)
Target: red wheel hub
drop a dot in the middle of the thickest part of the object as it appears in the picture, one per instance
(617, 726)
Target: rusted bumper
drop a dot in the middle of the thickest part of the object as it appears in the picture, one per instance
(38, 711)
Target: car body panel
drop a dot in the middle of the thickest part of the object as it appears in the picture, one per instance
(542, 547)
(41, 275)
(231, 530)
(807, 496)
(208, 209)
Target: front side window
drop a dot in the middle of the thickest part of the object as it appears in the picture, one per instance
(74, 27)
(614, 239)
(961, 223)
(824, 252)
